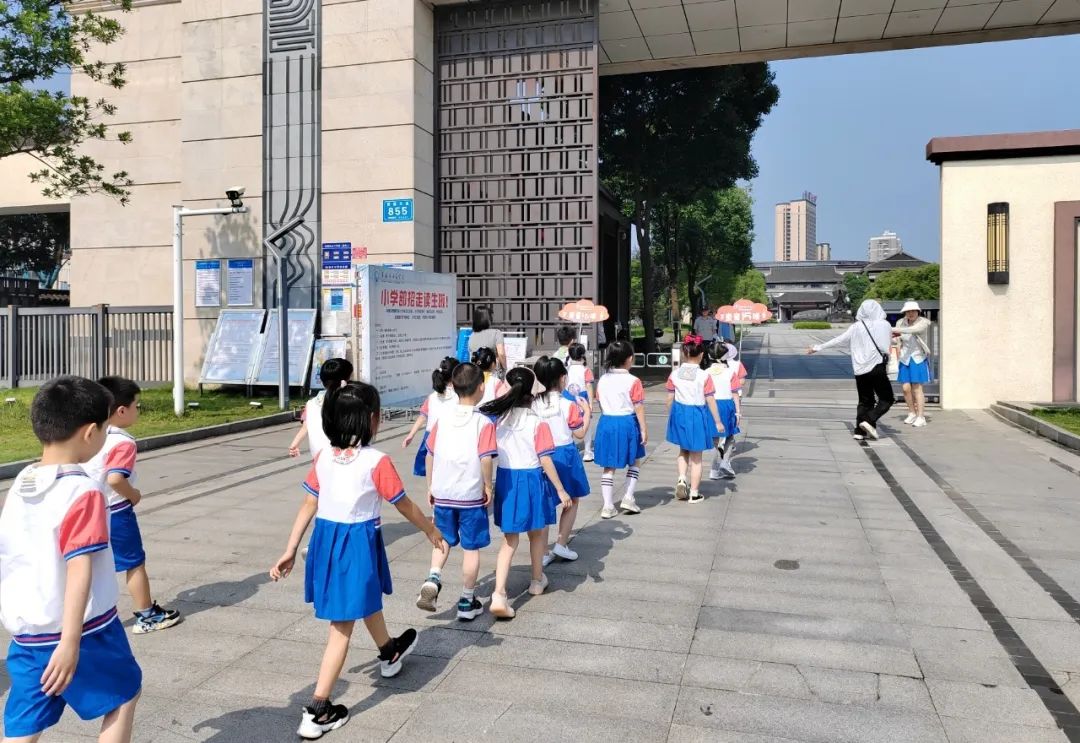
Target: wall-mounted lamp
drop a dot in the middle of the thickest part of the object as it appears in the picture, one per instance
(997, 243)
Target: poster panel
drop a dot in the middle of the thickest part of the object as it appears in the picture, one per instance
(301, 338)
(326, 348)
(231, 352)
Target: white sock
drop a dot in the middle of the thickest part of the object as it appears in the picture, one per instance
(468, 593)
(437, 572)
(631, 482)
(607, 489)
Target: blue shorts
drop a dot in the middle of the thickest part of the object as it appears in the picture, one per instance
(466, 526)
(914, 373)
(106, 677)
(126, 540)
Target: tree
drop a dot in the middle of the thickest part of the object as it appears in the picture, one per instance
(715, 239)
(751, 285)
(672, 135)
(37, 243)
(908, 283)
(40, 39)
(856, 285)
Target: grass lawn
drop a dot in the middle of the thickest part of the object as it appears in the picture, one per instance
(812, 325)
(156, 416)
(1067, 418)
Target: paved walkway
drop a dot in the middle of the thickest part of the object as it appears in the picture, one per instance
(919, 589)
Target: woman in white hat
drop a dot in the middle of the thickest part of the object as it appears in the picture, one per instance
(912, 330)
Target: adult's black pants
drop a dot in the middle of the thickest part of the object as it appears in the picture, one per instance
(875, 395)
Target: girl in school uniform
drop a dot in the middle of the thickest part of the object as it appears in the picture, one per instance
(693, 421)
(568, 422)
(347, 572)
(621, 434)
(333, 373)
(441, 398)
(484, 358)
(580, 388)
(727, 375)
(523, 503)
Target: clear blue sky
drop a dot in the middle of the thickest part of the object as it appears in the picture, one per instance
(853, 130)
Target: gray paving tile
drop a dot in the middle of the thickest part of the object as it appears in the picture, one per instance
(800, 603)
(804, 626)
(962, 730)
(694, 734)
(613, 633)
(988, 703)
(841, 687)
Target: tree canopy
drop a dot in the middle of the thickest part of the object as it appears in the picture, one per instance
(39, 40)
(669, 138)
(38, 243)
(908, 283)
(856, 285)
(751, 285)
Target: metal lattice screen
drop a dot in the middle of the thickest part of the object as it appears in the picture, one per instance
(517, 149)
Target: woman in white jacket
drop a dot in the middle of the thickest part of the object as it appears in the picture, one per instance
(914, 369)
(868, 338)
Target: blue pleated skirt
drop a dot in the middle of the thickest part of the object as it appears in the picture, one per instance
(691, 427)
(726, 408)
(618, 441)
(346, 573)
(523, 500)
(419, 467)
(571, 469)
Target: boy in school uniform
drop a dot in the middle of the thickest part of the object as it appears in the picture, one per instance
(57, 588)
(565, 335)
(461, 451)
(114, 468)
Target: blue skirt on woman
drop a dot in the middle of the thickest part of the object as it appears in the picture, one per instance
(523, 500)
(691, 427)
(346, 573)
(419, 467)
(617, 443)
(571, 469)
(914, 373)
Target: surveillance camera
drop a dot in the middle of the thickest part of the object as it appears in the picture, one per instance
(234, 194)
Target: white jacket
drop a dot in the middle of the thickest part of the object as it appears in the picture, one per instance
(913, 346)
(868, 338)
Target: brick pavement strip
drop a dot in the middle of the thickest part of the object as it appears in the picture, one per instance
(675, 625)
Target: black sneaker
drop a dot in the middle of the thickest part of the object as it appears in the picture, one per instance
(313, 728)
(469, 609)
(429, 593)
(394, 652)
(155, 619)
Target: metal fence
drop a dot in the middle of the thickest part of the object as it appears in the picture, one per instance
(39, 343)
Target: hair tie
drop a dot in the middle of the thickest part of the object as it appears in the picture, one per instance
(692, 339)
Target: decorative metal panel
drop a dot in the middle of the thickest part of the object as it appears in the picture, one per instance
(517, 149)
(292, 81)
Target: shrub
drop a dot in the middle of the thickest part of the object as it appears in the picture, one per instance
(812, 325)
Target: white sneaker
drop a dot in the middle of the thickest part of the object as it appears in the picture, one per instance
(587, 456)
(629, 505)
(548, 559)
(715, 473)
(563, 552)
(910, 419)
(869, 430)
(609, 513)
(682, 489)
(858, 437)
(311, 730)
(919, 422)
(728, 470)
(500, 606)
(537, 587)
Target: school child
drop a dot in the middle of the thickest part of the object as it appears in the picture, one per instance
(484, 359)
(442, 397)
(523, 502)
(57, 583)
(347, 572)
(693, 421)
(565, 335)
(727, 381)
(580, 388)
(114, 468)
(621, 434)
(568, 422)
(333, 373)
(461, 450)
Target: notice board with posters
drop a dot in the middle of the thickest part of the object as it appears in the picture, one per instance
(301, 339)
(231, 352)
(406, 326)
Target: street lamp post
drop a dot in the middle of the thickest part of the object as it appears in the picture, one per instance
(179, 212)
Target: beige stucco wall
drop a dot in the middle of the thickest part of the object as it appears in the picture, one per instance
(18, 195)
(997, 341)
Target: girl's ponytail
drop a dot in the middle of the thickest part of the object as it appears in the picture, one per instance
(484, 357)
(440, 378)
(520, 394)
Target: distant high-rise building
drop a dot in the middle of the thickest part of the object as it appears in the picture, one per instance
(823, 252)
(882, 246)
(796, 229)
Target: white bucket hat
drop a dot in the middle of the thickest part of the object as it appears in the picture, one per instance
(910, 305)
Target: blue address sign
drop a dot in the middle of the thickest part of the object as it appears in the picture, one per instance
(397, 210)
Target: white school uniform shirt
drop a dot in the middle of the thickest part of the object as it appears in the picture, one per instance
(726, 379)
(52, 514)
(619, 392)
(351, 484)
(493, 387)
(316, 436)
(522, 439)
(117, 456)
(691, 385)
(562, 416)
(578, 378)
(460, 440)
(435, 404)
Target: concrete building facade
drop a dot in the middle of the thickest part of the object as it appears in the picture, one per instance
(796, 229)
(881, 247)
(823, 252)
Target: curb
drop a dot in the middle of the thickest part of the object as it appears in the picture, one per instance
(161, 441)
(1017, 414)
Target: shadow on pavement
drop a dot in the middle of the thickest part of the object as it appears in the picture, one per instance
(223, 593)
